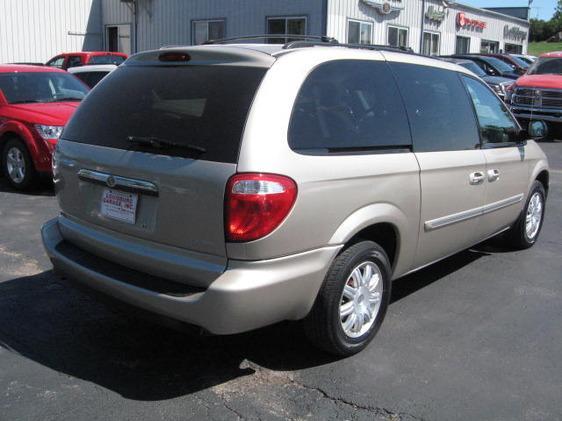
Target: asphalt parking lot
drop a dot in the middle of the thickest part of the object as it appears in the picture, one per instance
(477, 336)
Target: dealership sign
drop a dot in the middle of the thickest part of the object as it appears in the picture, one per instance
(465, 22)
(434, 14)
(384, 7)
(514, 33)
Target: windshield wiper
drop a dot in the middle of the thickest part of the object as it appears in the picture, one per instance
(158, 143)
(69, 98)
(26, 101)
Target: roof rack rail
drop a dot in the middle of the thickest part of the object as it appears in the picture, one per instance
(320, 39)
(378, 47)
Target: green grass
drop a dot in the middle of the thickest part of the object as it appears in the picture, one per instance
(537, 48)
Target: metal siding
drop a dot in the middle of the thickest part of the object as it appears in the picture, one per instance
(36, 30)
(168, 22)
(339, 11)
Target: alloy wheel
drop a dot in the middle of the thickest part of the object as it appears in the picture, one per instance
(15, 164)
(361, 299)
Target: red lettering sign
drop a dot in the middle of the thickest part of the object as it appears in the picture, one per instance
(465, 22)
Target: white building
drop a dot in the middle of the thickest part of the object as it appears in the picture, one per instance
(34, 30)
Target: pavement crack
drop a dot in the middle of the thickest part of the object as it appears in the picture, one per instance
(377, 411)
(374, 410)
(231, 409)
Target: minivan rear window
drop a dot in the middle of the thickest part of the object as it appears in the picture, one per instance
(200, 110)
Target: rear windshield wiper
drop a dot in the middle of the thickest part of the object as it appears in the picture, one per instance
(158, 143)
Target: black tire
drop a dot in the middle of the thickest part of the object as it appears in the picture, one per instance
(323, 326)
(517, 237)
(30, 175)
(554, 131)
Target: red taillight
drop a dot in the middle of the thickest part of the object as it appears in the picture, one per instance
(256, 204)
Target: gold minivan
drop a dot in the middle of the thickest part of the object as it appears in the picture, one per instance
(235, 186)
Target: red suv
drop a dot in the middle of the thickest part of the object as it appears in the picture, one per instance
(66, 60)
(35, 104)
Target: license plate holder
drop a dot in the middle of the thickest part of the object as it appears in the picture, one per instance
(119, 205)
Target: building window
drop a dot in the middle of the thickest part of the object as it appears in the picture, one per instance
(430, 43)
(205, 30)
(513, 48)
(285, 26)
(489, 47)
(397, 37)
(359, 32)
(463, 45)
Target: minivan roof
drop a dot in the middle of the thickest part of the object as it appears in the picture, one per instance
(249, 54)
(254, 54)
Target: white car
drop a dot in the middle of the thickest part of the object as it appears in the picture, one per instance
(91, 75)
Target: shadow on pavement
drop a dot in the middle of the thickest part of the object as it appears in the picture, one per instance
(409, 284)
(44, 187)
(67, 331)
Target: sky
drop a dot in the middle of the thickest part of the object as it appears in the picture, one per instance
(543, 9)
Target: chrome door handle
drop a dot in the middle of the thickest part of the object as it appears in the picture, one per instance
(476, 177)
(493, 175)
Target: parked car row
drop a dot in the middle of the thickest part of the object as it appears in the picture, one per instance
(499, 84)
(532, 87)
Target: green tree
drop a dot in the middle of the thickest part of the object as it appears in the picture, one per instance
(558, 10)
(537, 30)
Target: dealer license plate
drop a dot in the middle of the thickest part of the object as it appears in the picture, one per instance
(119, 205)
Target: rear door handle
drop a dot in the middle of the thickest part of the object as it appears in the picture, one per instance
(493, 175)
(476, 177)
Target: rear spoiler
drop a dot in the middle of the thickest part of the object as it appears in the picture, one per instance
(202, 55)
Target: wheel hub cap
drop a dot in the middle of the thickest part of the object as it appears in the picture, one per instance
(534, 216)
(361, 299)
(15, 164)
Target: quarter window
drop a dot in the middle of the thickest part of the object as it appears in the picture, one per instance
(397, 37)
(285, 26)
(205, 30)
(349, 105)
(430, 43)
(439, 110)
(359, 32)
(496, 123)
(56, 62)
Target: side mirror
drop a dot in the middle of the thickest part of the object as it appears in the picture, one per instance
(3, 100)
(537, 129)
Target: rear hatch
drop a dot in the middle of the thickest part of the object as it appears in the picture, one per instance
(148, 154)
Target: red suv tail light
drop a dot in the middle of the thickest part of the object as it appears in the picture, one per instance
(256, 204)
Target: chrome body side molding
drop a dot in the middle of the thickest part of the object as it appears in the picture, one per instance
(471, 213)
